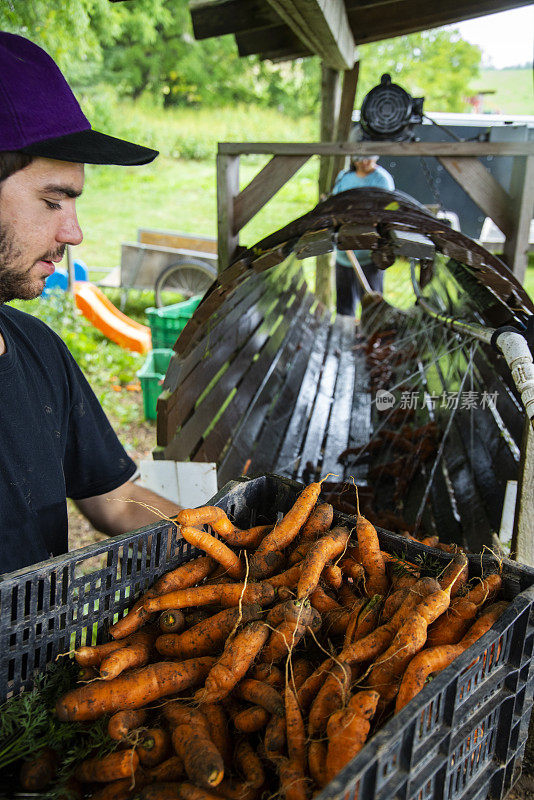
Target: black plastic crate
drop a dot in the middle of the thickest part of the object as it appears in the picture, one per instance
(462, 738)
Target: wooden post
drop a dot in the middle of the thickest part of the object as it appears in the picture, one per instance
(344, 121)
(227, 190)
(515, 250)
(522, 548)
(329, 113)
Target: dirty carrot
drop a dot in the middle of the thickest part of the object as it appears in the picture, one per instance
(376, 581)
(136, 653)
(325, 549)
(237, 657)
(37, 773)
(347, 731)
(109, 768)
(202, 761)
(133, 690)
(153, 747)
(122, 722)
(261, 694)
(332, 696)
(171, 621)
(215, 549)
(218, 730)
(226, 595)
(249, 764)
(185, 576)
(452, 625)
(207, 636)
(295, 729)
(92, 656)
(318, 522)
(263, 558)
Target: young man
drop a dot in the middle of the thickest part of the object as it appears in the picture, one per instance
(363, 171)
(55, 440)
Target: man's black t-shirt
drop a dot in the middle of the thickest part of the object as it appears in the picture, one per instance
(55, 442)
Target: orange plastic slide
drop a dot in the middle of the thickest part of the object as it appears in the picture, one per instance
(101, 313)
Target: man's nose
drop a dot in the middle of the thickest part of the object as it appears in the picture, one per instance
(70, 231)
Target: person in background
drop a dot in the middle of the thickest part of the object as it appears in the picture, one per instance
(363, 171)
(56, 441)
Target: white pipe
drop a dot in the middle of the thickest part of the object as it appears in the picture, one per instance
(515, 349)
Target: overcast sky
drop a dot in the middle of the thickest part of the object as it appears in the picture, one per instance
(506, 39)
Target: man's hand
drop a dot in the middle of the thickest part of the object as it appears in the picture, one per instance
(124, 509)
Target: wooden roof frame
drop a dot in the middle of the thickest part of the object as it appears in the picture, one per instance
(331, 29)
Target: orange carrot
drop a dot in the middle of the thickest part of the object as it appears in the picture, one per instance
(317, 762)
(308, 690)
(485, 590)
(325, 549)
(226, 595)
(348, 730)
(275, 737)
(455, 575)
(247, 538)
(122, 722)
(134, 619)
(318, 522)
(185, 575)
(36, 774)
(218, 730)
(133, 690)
(202, 761)
(215, 549)
(251, 719)
(284, 638)
(364, 620)
(452, 625)
(261, 694)
(332, 696)
(388, 669)
(171, 621)
(207, 636)
(290, 577)
(376, 581)
(337, 622)
(109, 768)
(261, 562)
(293, 783)
(172, 769)
(394, 602)
(249, 764)
(322, 601)
(135, 653)
(92, 656)
(234, 662)
(295, 730)
(153, 747)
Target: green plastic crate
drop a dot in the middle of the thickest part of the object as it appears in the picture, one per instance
(151, 376)
(167, 323)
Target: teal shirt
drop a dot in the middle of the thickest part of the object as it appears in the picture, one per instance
(349, 180)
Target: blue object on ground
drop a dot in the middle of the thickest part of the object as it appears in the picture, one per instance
(60, 278)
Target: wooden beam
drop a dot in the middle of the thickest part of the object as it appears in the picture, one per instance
(227, 189)
(322, 26)
(483, 189)
(330, 100)
(216, 18)
(263, 186)
(400, 17)
(515, 250)
(344, 120)
(268, 41)
(476, 149)
(522, 548)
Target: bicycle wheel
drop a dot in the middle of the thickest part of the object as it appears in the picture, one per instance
(186, 277)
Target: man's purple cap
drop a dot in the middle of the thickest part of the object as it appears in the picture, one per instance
(39, 114)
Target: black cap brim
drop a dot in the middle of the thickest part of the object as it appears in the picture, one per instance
(92, 147)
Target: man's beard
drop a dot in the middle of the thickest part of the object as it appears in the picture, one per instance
(16, 284)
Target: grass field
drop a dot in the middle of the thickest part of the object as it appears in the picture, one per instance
(514, 91)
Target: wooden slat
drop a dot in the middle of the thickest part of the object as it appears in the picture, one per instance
(227, 188)
(473, 149)
(216, 18)
(274, 432)
(289, 458)
(189, 435)
(360, 427)
(322, 26)
(265, 413)
(311, 451)
(213, 445)
(522, 539)
(478, 182)
(515, 251)
(270, 42)
(376, 21)
(177, 240)
(339, 423)
(263, 186)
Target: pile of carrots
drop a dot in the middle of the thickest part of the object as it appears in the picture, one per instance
(264, 665)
